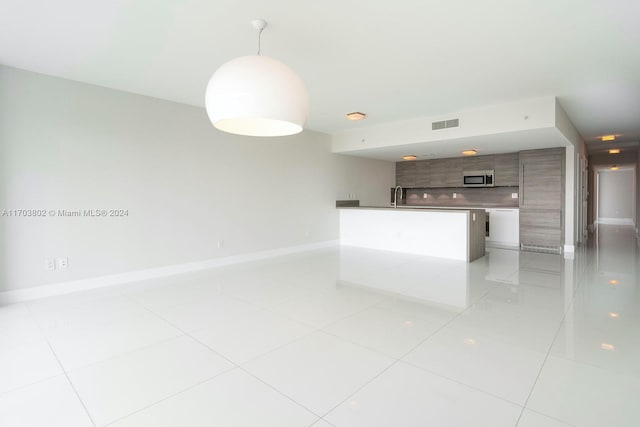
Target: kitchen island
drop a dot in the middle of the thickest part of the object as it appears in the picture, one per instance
(445, 233)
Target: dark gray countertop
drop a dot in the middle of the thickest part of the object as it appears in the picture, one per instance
(413, 207)
(416, 208)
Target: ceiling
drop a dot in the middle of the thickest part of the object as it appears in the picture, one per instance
(391, 60)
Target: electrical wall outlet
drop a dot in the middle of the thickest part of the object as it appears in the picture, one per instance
(49, 264)
(63, 263)
(514, 195)
(220, 244)
(455, 195)
(425, 195)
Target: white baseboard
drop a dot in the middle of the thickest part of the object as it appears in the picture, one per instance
(569, 251)
(615, 221)
(61, 288)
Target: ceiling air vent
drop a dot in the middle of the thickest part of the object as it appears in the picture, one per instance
(453, 123)
(444, 124)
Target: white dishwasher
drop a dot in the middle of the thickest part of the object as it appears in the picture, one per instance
(504, 227)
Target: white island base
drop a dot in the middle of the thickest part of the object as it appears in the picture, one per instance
(452, 234)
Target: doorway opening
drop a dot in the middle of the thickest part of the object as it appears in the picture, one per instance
(615, 195)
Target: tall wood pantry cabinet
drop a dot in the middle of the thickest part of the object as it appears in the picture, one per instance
(542, 199)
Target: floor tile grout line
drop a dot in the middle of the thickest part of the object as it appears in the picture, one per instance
(2, 394)
(235, 365)
(475, 388)
(457, 316)
(240, 367)
(119, 355)
(124, 353)
(313, 331)
(184, 390)
(183, 333)
(396, 360)
(546, 358)
(549, 416)
(325, 420)
(392, 364)
(363, 347)
(64, 372)
(98, 323)
(367, 307)
(73, 387)
(243, 369)
(186, 333)
(272, 387)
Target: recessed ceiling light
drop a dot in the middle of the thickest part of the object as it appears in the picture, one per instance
(409, 157)
(614, 315)
(608, 347)
(613, 281)
(356, 115)
(469, 152)
(469, 341)
(614, 167)
(608, 137)
(614, 151)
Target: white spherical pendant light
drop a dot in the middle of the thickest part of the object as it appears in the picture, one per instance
(257, 96)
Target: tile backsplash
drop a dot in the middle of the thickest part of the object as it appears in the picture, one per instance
(465, 197)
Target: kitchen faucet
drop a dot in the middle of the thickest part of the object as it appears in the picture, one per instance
(395, 196)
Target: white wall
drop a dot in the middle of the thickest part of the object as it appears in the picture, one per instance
(574, 155)
(68, 145)
(616, 199)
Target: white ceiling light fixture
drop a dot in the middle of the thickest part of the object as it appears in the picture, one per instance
(256, 95)
(356, 115)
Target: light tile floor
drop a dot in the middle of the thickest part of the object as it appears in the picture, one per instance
(342, 337)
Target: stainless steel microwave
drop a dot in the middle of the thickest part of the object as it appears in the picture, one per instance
(478, 178)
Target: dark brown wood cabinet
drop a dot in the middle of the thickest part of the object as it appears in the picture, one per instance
(477, 163)
(485, 163)
(423, 173)
(437, 173)
(447, 173)
(542, 198)
(453, 173)
(469, 163)
(406, 174)
(506, 169)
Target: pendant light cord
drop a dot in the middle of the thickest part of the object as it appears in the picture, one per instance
(259, 39)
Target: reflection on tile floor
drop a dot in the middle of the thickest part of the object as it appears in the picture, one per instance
(342, 337)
